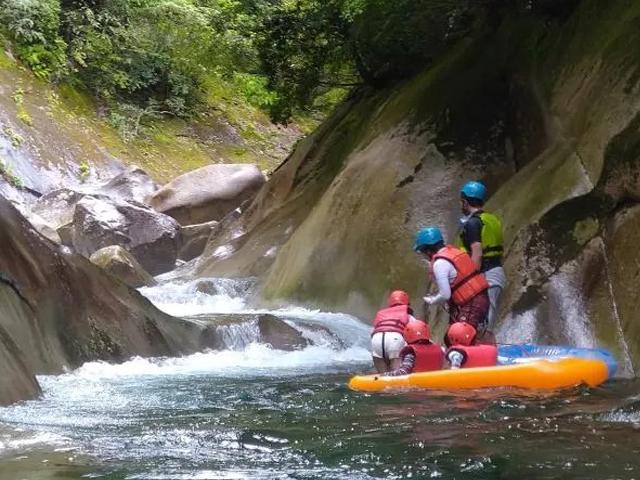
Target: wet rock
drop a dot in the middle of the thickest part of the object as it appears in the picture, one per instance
(151, 237)
(17, 378)
(194, 239)
(58, 310)
(236, 331)
(132, 184)
(208, 193)
(207, 287)
(122, 265)
(43, 227)
(57, 207)
(281, 336)
(65, 232)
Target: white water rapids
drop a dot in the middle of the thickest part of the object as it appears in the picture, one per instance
(75, 399)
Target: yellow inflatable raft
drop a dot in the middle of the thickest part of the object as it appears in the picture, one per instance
(535, 375)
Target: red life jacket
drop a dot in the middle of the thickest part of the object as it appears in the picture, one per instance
(469, 282)
(477, 355)
(392, 319)
(429, 356)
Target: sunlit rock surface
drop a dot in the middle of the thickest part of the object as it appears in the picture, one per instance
(208, 193)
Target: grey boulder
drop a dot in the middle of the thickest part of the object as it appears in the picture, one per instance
(122, 265)
(151, 237)
(208, 193)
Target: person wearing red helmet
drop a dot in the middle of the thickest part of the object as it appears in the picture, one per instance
(388, 327)
(420, 354)
(464, 352)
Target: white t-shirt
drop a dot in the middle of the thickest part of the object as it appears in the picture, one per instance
(444, 274)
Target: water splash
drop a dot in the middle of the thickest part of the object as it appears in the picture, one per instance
(519, 328)
(573, 314)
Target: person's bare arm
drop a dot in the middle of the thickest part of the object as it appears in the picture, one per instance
(476, 254)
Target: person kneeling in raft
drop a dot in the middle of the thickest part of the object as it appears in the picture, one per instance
(420, 354)
(460, 284)
(388, 327)
(464, 352)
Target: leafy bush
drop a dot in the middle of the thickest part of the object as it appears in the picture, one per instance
(34, 25)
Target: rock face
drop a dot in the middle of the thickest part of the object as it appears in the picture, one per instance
(194, 239)
(208, 193)
(57, 207)
(122, 265)
(514, 107)
(280, 335)
(151, 237)
(17, 379)
(132, 184)
(59, 310)
(43, 227)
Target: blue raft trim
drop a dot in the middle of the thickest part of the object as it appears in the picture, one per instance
(510, 354)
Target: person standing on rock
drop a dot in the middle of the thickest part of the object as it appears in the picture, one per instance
(461, 286)
(481, 237)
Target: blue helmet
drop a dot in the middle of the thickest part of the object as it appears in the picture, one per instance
(474, 190)
(427, 237)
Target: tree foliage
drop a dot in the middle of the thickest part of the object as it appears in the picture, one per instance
(146, 58)
(143, 56)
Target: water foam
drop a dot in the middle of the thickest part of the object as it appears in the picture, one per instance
(255, 360)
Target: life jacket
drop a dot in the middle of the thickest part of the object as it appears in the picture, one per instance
(429, 356)
(469, 282)
(477, 355)
(491, 238)
(392, 319)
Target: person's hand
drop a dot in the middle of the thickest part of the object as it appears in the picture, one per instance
(429, 299)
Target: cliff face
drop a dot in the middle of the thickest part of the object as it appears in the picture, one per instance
(57, 310)
(544, 111)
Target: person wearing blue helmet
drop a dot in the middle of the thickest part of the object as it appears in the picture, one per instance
(460, 283)
(481, 237)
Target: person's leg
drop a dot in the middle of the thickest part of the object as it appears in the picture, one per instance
(494, 292)
(377, 352)
(497, 280)
(380, 364)
(393, 345)
(396, 363)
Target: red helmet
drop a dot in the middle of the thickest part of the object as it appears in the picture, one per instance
(416, 330)
(461, 333)
(398, 297)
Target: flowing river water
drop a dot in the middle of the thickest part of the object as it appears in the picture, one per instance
(256, 413)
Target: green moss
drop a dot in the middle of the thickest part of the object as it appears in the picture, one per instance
(16, 140)
(6, 62)
(74, 100)
(585, 230)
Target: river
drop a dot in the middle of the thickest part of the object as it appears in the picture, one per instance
(256, 413)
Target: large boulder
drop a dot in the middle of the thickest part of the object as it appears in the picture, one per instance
(57, 207)
(122, 265)
(58, 311)
(132, 184)
(208, 193)
(43, 227)
(194, 239)
(151, 237)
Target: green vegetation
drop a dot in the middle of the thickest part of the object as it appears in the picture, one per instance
(7, 173)
(85, 170)
(16, 140)
(23, 115)
(146, 59)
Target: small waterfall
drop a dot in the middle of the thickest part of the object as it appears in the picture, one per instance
(571, 308)
(519, 328)
(239, 336)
